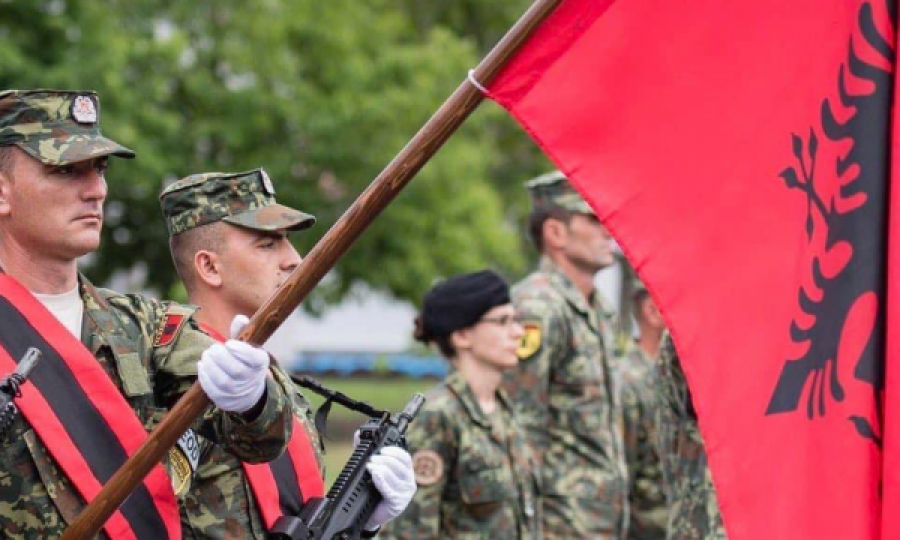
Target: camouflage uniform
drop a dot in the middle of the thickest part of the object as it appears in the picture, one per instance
(36, 499)
(636, 380)
(566, 394)
(475, 472)
(694, 510)
(221, 504)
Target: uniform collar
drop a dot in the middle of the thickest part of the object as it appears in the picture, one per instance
(458, 385)
(596, 306)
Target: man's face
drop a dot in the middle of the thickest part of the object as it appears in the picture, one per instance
(587, 243)
(53, 211)
(254, 264)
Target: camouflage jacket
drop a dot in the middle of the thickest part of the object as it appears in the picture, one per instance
(637, 388)
(566, 397)
(694, 511)
(221, 504)
(475, 472)
(36, 499)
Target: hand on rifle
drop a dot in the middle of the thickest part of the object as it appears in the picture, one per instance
(393, 476)
(233, 374)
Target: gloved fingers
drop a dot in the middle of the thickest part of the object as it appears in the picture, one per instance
(394, 476)
(211, 369)
(382, 485)
(396, 461)
(397, 453)
(248, 355)
(238, 324)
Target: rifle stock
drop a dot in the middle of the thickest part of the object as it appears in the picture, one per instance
(442, 124)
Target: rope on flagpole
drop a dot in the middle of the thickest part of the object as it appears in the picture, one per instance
(471, 77)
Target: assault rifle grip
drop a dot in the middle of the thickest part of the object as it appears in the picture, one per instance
(353, 497)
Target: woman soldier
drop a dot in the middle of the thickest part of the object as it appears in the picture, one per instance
(476, 476)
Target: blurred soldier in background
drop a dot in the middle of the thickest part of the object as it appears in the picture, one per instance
(694, 511)
(229, 241)
(636, 376)
(565, 389)
(476, 473)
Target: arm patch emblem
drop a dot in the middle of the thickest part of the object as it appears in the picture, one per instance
(531, 340)
(428, 466)
(169, 329)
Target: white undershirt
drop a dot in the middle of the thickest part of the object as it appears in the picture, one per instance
(67, 307)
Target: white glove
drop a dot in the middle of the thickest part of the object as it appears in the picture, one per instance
(233, 374)
(392, 473)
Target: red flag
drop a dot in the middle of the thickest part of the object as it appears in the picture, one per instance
(740, 154)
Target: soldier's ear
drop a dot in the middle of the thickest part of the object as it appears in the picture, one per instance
(555, 233)
(461, 339)
(208, 268)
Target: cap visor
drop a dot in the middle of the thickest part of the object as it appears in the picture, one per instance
(270, 218)
(75, 148)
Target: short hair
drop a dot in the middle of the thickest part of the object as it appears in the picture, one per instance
(184, 246)
(539, 215)
(640, 296)
(7, 154)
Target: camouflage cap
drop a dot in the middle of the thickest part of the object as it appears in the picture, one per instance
(246, 199)
(55, 127)
(554, 189)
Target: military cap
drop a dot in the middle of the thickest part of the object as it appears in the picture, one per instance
(55, 127)
(246, 199)
(460, 301)
(554, 189)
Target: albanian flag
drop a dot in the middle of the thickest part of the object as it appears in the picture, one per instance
(741, 153)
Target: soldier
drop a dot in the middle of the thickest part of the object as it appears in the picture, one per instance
(637, 382)
(475, 471)
(229, 241)
(694, 510)
(650, 324)
(112, 363)
(565, 388)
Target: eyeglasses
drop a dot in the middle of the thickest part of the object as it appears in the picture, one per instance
(502, 320)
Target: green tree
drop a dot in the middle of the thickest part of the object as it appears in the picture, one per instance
(322, 94)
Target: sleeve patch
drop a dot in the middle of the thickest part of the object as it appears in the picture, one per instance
(531, 339)
(169, 329)
(428, 466)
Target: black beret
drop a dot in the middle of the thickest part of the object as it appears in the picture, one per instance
(458, 302)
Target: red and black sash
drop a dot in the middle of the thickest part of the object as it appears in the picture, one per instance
(81, 417)
(281, 486)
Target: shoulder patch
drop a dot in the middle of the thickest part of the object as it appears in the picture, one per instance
(531, 339)
(428, 466)
(169, 329)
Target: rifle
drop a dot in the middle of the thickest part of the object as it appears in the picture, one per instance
(353, 497)
(9, 388)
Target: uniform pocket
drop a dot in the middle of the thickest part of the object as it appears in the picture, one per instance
(485, 491)
(60, 492)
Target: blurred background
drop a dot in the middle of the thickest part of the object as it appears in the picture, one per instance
(322, 94)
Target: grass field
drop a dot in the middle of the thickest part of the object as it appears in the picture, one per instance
(383, 393)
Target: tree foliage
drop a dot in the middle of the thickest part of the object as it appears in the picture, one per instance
(321, 94)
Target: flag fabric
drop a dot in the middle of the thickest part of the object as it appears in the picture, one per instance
(740, 152)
